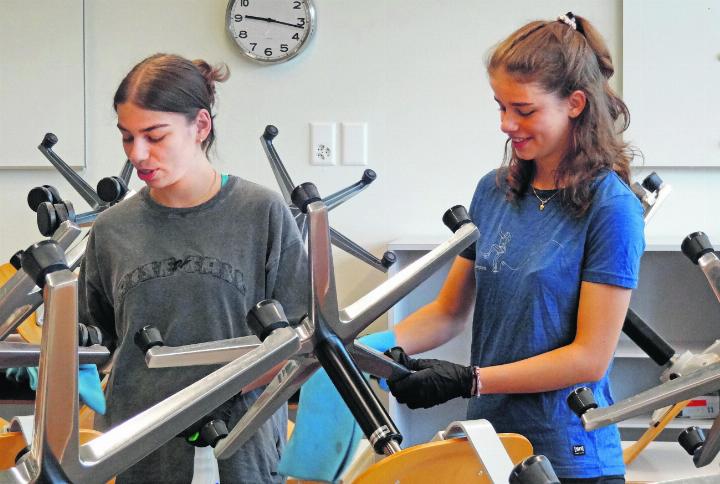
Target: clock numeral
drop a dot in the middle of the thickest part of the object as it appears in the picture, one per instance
(254, 44)
(242, 34)
(296, 5)
(244, 3)
(301, 21)
(283, 48)
(238, 18)
(268, 52)
(296, 36)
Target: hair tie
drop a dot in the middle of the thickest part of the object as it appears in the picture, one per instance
(568, 19)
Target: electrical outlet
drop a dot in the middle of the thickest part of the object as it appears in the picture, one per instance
(322, 143)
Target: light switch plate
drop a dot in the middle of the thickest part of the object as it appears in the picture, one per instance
(322, 143)
(354, 143)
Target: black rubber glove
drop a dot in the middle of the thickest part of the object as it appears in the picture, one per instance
(432, 382)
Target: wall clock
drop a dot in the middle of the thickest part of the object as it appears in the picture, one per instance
(271, 31)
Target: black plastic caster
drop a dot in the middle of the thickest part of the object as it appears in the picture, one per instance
(265, 317)
(148, 337)
(16, 259)
(581, 400)
(691, 439)
(456, 217)
(212, 432)
(49, 141)
(305, 194)
(49, 216)
(695, 246)
(369, 176)
(111, 189)
(41, 259)
(270, 132)
(536, 469)
(89, 335)
(45, 193)
(388, 259)
(652, 182)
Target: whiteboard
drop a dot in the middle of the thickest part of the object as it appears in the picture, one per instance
(42, 83)
(671, 79)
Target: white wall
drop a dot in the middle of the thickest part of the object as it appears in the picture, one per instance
(412, 69)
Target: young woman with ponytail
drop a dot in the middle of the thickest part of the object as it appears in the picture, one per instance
(549, 281)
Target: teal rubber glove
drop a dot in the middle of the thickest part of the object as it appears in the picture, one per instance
(23, 373)
(381, 341)
(89, 387)
(326, 434)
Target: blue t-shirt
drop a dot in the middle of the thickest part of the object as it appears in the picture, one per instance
(528, 268)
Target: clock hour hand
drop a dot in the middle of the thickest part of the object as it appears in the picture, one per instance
(272, 20)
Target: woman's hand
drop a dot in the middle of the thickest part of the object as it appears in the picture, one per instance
(432, 382)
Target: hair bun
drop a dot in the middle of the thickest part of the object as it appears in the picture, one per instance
(212, 74)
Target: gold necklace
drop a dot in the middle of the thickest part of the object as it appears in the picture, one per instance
(543, 202)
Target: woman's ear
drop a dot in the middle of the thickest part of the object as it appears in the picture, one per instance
(576, 101)
(203, 121)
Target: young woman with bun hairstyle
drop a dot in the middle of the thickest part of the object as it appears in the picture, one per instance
(548, 283)
(190, 254)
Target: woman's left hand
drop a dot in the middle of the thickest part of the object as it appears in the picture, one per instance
(432, 382)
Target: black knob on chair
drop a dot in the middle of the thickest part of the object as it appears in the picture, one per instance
(43, 258)
(148, 337)
(456, 217)
(303, 195)
(691, 439)
(270, 132)
(536, 469)
(213, 431)
(368, 176)
(49, 141)
(695, 246)
(652, 182)
(89, 335)
(16, 259)
(47, 219)
(581, 400)
(388, 258)
(265, 317)
(45, 193)
(111, 189)
(50, 216)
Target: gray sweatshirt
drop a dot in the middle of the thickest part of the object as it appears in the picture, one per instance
(193, 273)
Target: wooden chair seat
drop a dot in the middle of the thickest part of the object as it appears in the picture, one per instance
(451, 461)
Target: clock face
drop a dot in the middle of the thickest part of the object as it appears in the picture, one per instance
(271, 30)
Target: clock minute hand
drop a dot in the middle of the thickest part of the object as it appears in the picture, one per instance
(272, 20)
